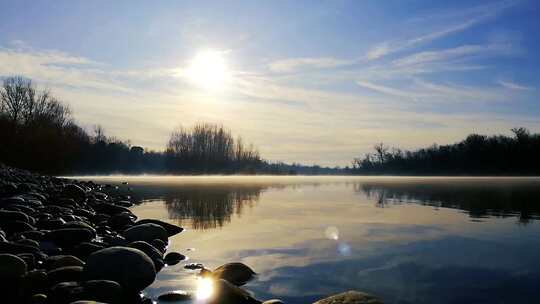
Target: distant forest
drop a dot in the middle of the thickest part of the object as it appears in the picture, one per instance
(38, 133)
(476, 155)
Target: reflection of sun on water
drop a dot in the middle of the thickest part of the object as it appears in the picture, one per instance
(209, 70)
(205, 289)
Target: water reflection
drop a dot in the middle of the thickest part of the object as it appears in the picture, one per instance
(478, 197)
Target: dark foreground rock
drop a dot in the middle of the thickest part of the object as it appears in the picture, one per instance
(350, 297)
(63, 241)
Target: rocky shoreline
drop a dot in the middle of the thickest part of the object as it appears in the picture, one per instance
(72, 242)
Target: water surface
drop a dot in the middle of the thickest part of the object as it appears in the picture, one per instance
(406, 240)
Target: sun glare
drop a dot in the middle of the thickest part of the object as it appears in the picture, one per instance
(209, 70)
(205, 289)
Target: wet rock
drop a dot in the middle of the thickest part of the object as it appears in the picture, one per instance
(273, 301)
(151, 252)
(11, 267)
(29, 259)
(12, 227)
(173, 258)
(38, 299)
(227, 293)
(130, 267)
(33, 235)
(59, 261)
(160, 245)
(74, 191)
(145, 232)
(194, 266)
(65, 274)
(35, 281)
(235, 273)
(350, 297)
(70, 236)
(103, 290)
(84, 249)
(8, 216)
(66, 292)
(170, 228)
(174, 296)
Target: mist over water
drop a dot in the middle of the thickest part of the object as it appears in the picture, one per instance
(407, 240)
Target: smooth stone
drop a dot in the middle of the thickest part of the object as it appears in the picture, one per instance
(65, 274)
(145, 232)
(12, 267)
(70, 236)
(6, 216)
(194, 266)
(160, 245)
(12, 227)
(227, 293)
(38, 298)
(103, 290)
(33, 235)
(173, 258)
(350, 297)
(58, 261)
(28, 242)
(74, 191)
(151, 252)
(130, 267)
(86, 302)
(273, 301)
(29, 259)
(170, 228)
(66, 292)
(235, 273)
(174, 296)
(35, 281)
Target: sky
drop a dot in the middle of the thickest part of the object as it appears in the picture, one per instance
(306, 81)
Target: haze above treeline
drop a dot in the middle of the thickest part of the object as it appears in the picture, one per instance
(38, 133)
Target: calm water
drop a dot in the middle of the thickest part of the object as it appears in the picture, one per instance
(407, 240)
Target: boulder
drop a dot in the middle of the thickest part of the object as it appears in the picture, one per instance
(103, 290)
(174, 296)
(235, 273)
(227, 293)
(65, 274)
(170, 228)
(173, 258)
(129, 267)
(68, 237)
(151, 252)
(145, 232)
(57, 261)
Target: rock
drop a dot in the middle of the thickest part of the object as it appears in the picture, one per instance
(87, 302)
(58, 261)
(33, 235)
(170, 228)
(130, 267)
(273, 301)
(12, 227)
(38, 299)
(151, 252)
(160, 245)
(29, 259)
(35, 281)
(65, 274)
(227, 293)
(194, 266)
(350, 297)
(8, 216)
(68, 237)
(174, 296)
(145, 232)
(74, 191)
(103, 290)
(28, 242)
(173, 258)
(11, 267)
(66, 292)
(235, 273)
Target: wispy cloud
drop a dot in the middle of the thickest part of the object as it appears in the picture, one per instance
(514, 86)
(470, 18)
(293, 64)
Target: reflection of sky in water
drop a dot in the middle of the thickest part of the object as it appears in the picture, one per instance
(408, 242)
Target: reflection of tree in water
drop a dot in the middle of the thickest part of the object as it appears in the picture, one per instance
(210, 207)
(479, 198)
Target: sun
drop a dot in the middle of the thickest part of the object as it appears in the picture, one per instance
(208, 69)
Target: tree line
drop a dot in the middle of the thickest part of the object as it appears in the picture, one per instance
(38, 133)
(475, 155)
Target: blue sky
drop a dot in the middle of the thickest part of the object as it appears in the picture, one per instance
(313, 82)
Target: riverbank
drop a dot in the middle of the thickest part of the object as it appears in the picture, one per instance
(66, 241)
